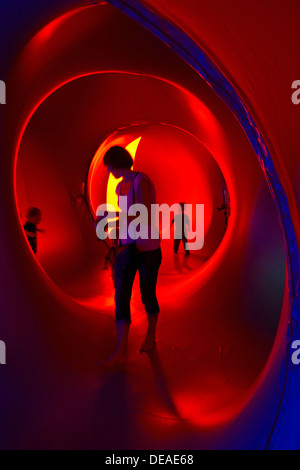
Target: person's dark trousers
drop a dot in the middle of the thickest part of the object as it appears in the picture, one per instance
(177, 243)
(128, 262)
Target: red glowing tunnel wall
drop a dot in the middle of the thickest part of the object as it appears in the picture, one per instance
(83, 84)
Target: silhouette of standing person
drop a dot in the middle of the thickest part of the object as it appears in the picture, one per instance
(142, 255)
(225, 207)
(34, 217)
(182, 226)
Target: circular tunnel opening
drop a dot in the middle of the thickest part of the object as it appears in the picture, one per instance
(224, 302)
(181, 169)
(51, 177)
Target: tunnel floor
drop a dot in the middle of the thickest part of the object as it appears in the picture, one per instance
(196, 379)
(92, 286)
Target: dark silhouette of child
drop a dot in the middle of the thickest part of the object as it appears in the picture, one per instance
(182, 225)
(34, 217)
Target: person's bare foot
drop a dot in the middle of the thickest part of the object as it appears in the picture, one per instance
(116, 360)
(150, 340)
(119, 356)
(148, 345)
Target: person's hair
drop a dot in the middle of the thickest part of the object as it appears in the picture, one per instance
(118, 158)
(33, 212)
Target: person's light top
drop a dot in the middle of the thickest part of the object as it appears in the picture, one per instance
(139, 190)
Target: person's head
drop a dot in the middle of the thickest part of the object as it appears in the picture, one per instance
(34, 215)
(117, 159)
(182, 204)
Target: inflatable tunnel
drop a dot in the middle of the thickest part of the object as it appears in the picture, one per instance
(200, 95)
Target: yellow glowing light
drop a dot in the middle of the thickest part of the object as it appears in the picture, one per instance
(111, 196)
(133, 146)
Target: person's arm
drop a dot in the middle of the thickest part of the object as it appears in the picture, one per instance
(30, 234)
(145, 194)
(30, 230)
(223, 207)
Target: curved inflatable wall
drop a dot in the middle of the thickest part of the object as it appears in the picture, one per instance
(190, 85)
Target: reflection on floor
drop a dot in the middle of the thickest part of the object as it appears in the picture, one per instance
(171, 398)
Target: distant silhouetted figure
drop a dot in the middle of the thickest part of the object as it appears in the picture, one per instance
(225, 208)
(34, 217)
(182, 225)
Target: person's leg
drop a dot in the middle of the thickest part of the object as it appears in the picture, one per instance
(185, 245)
(125, 271)
(176, 244)
(124, 274)
(149, 263)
